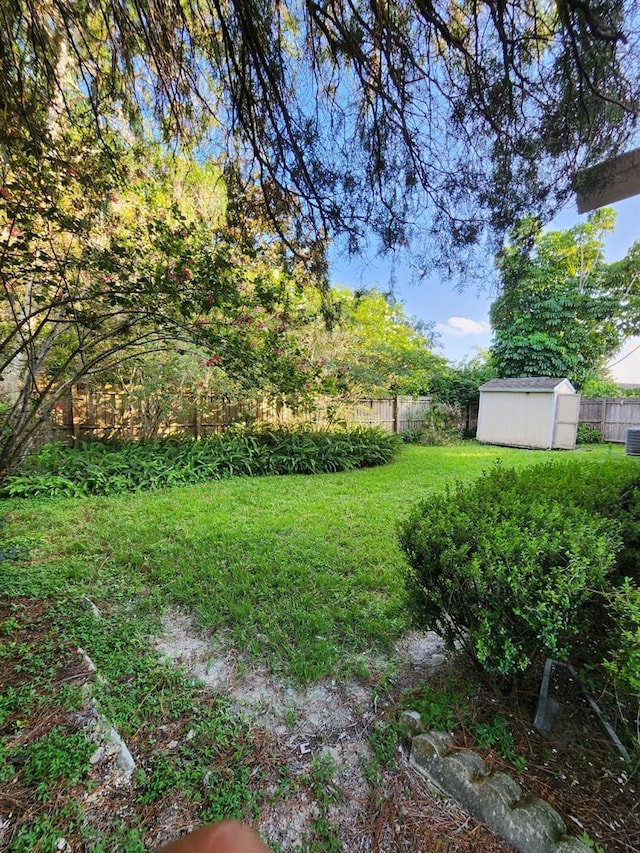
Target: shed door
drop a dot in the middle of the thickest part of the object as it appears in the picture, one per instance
(566, 425)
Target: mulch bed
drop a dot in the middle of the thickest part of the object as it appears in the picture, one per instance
(575, 768)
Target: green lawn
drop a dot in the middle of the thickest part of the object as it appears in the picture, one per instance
(303, 571)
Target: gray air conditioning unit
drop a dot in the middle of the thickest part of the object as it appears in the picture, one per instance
(633, 442)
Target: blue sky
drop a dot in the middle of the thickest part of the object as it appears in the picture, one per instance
(462, 319)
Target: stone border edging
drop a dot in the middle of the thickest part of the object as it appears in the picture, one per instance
(109, 741)
(493, 798)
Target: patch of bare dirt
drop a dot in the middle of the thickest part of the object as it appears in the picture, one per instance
(357, 804)
(575, 768)
(332, 721)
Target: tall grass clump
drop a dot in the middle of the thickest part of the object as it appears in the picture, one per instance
(107, 468)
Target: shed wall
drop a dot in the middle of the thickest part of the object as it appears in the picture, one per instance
(516, 419)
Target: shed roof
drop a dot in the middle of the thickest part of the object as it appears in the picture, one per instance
(527, 383)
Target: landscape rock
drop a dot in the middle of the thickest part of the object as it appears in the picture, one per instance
(124, 759)
(412, 722)
(528, 823)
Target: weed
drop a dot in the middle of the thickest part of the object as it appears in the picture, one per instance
(323, 837)
(496, 735)
(58, 756)
(587, 434)
(167, 774)
(229, 796)
(7, 770)
(145, 696)
(383, 741)
(438, 426)
(319, 779)
(42, 833)
(8, 626)
(447, 709)
(586, 839)
(117, 839)
(441, 709)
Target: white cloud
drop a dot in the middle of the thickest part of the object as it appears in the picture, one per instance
(459, 327)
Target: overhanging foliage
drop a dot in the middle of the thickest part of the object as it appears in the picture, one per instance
(349, 115)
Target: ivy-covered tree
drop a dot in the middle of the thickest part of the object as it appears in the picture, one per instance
(433, 122)
(563, 311)
(459, 384)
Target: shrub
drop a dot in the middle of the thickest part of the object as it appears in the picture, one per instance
(437, 427)
(588, 434)
(104, 468)
(624, 658)
(507, 565)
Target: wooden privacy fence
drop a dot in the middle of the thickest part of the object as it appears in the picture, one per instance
(111, 414)
(612, 416)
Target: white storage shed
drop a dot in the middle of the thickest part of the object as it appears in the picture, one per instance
(536, 412)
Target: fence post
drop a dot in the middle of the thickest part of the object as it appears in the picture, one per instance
(75, 426)
(196, 421)
(395, 414)
(603, 418)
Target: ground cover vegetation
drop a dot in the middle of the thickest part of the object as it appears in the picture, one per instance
(107, 468)
(302, 575)
(48, 708)
(563, 311)
(235, 551)
(263, 559)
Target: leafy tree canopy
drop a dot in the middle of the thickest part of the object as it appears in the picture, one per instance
(373, 347)
(453, 120)
(101, 269)
(563, 311)
(390, 352)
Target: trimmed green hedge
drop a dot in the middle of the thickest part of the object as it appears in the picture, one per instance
(512, 565)
(106, 468)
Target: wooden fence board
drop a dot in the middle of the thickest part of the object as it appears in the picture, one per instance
(111, 414)
(612, 416)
